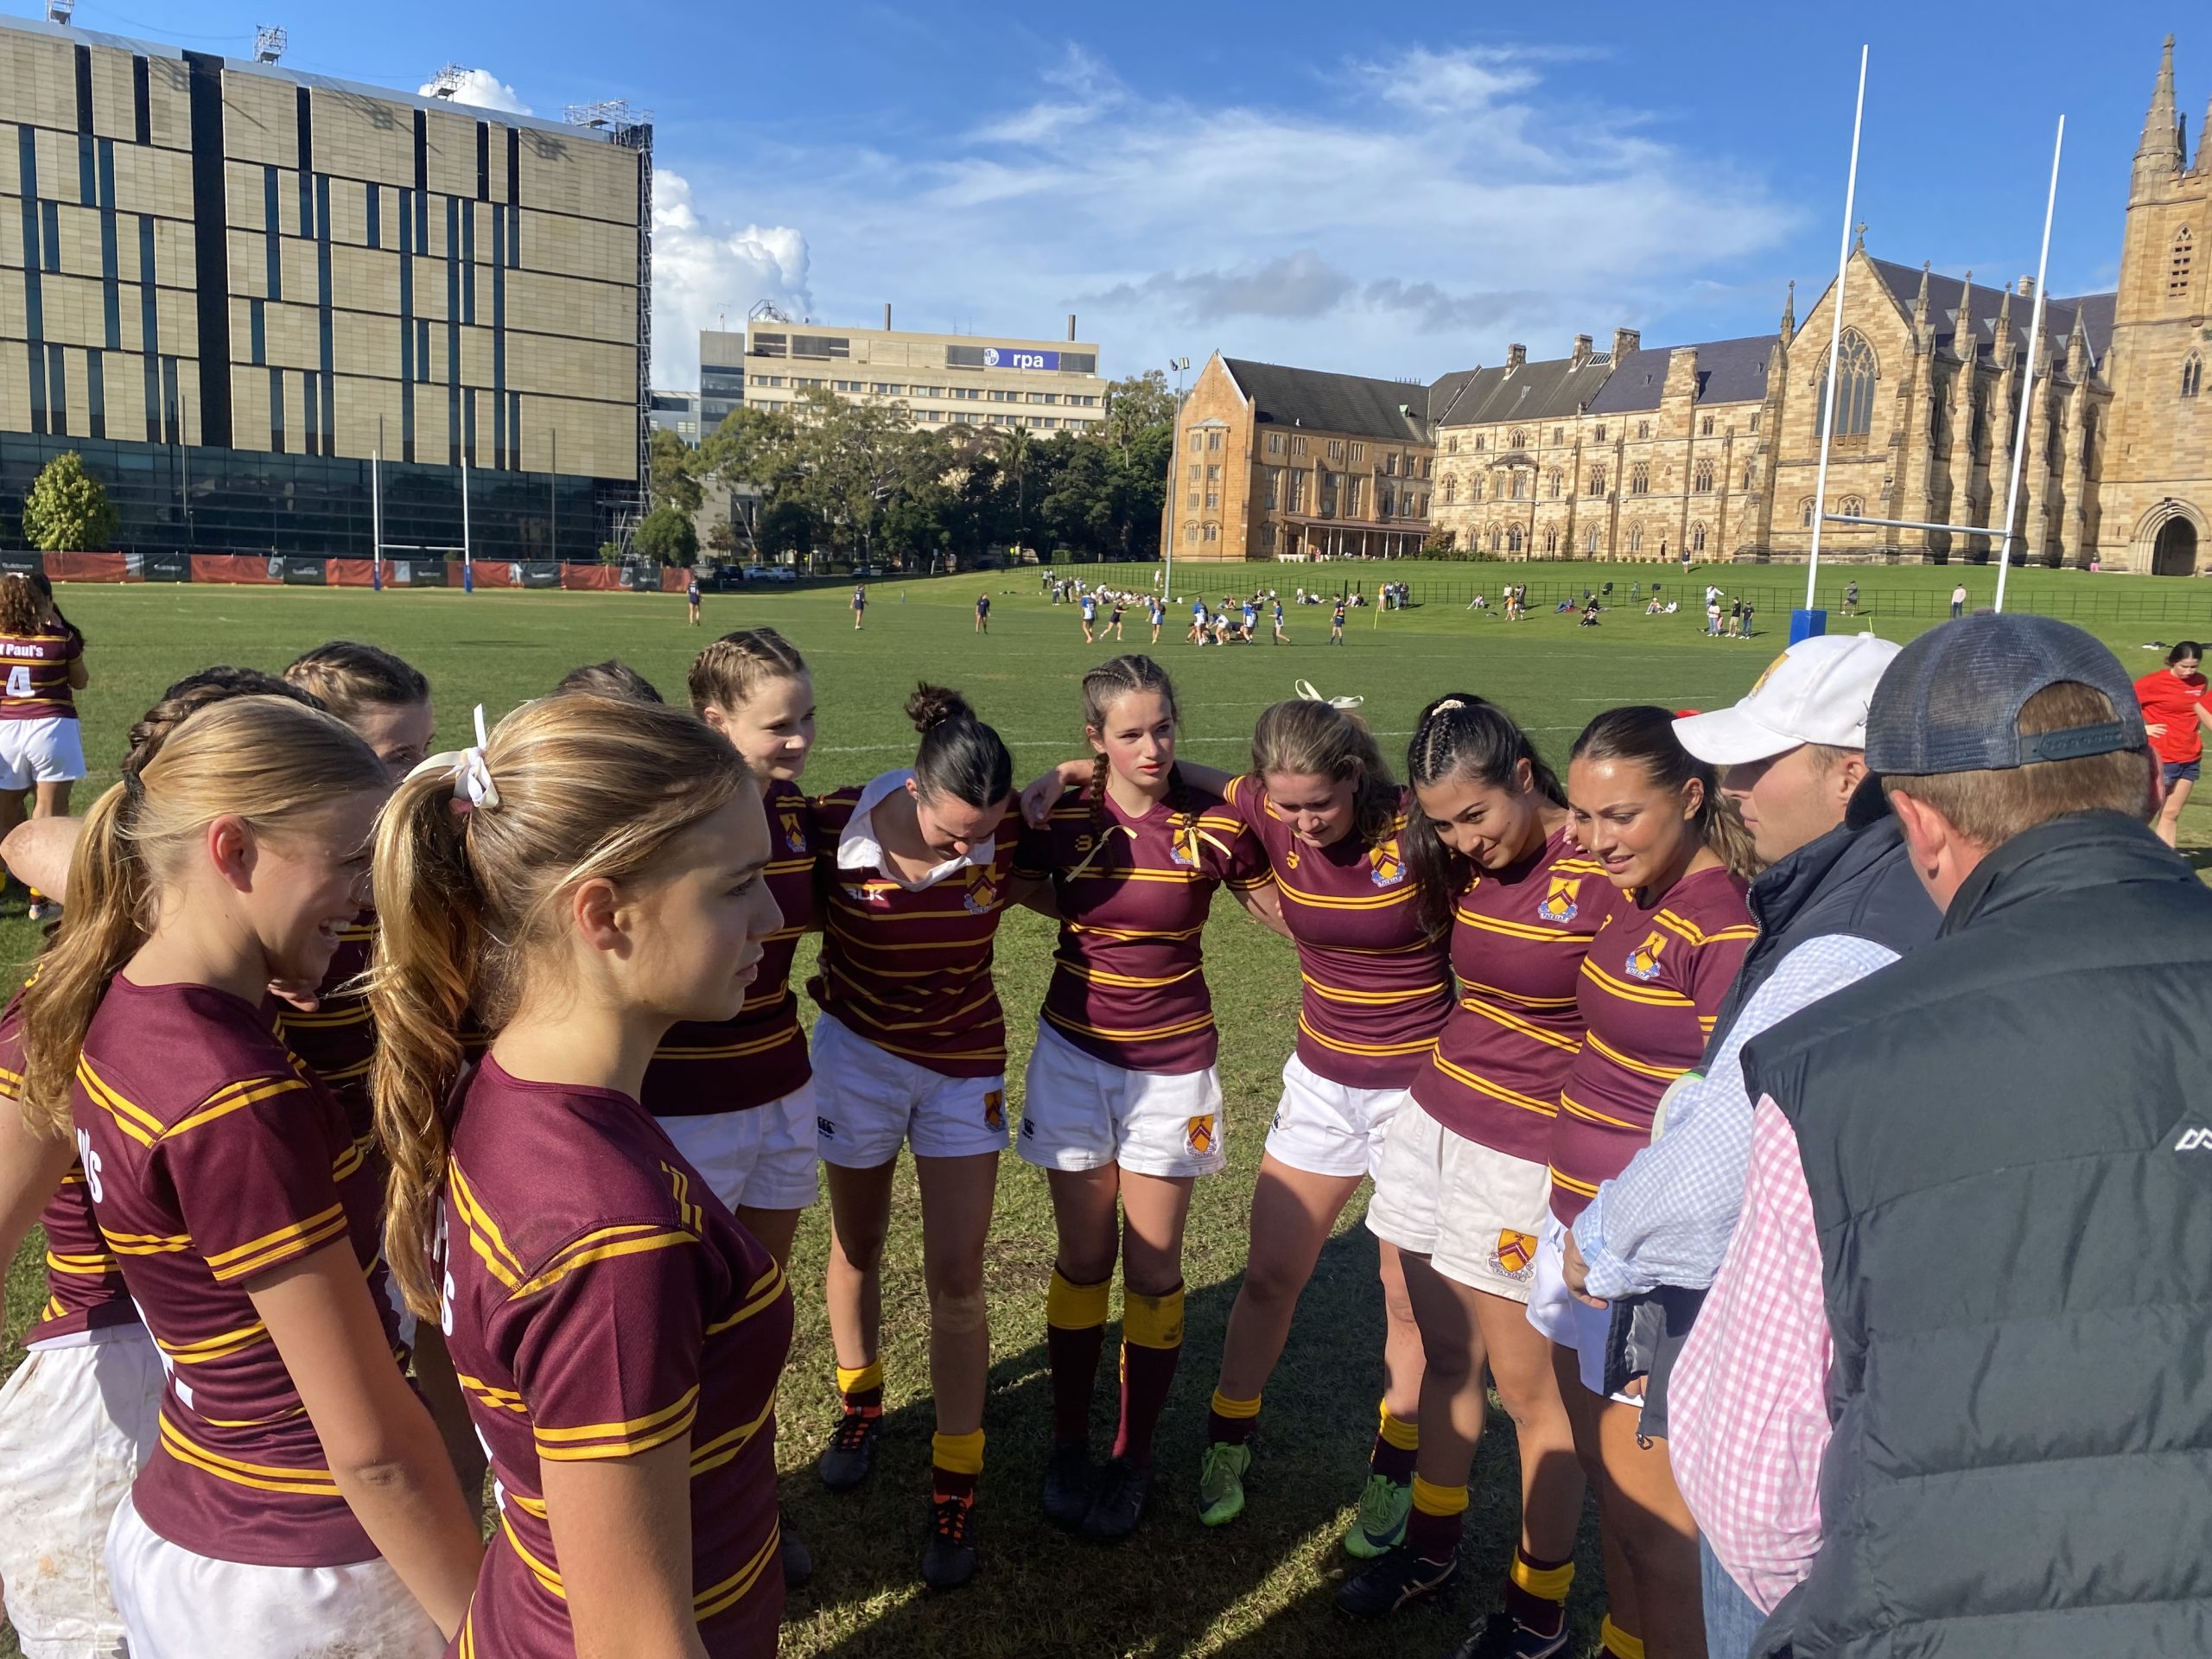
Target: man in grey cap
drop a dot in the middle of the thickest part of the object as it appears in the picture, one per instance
(1949, 1393)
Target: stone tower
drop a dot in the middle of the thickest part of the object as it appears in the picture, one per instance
(2154, 500)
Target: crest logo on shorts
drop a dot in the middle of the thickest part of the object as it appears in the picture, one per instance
(1388, 867)
(981, 898)
(1644, 964)
(1198, 1135)
(1516, 1254)
(995, 1109)
(1558, 905)
(794, 832)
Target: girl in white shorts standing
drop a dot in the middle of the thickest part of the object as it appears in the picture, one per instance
(41, 749)
(1122, 1101)
(911, 1051)
(1466, 1177)
(299, 1494)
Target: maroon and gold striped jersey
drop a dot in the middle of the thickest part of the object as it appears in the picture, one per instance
(601, 1302)
(35, 674)
(213, 1156)
(734, 1064)
(1129, 977)
(1519, 938)
(338, 1041)
(1651, 988)
(84, 1281)
(911, 971)
(1377, 989)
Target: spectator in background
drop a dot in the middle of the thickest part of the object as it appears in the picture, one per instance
(1958, 600)
(2172, 700)
(1837, 901)
(1949, 1393)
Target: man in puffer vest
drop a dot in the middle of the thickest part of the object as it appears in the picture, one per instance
(1952, 1391)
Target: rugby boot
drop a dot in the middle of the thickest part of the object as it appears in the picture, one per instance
(1399, 1577)
(797, 1559)
(1220, 1483)
(1069, 1480)
(1503, 1636)
(1118, 1504)
(950, 1559)
(1381, 1525)
(851, 1452)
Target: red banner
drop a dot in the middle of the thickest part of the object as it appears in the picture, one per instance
(495, 573)
(234, 568)
(89, 566)
(349, 573)
(674, 579)
(591, 578)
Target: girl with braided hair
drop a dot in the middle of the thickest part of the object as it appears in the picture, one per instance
(1122, 1105)
(1465, 1178)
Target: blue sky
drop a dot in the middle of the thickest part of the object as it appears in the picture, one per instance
(1394, 190)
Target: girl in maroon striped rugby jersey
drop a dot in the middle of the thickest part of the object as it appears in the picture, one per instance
(299, 1494)
(917, 869)
(41, 749)
(1465, 1180)
(592, 873)
(1122, 1106)
(1651, 987)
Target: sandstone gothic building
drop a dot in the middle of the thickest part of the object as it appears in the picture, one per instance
(1714, 449)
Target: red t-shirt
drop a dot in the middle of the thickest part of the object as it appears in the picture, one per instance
(911, 971)
(84, 1281)
(338, 1041)
(35, 674)
(1375, 990)
(1651, 988)
(1128, 975)
(2174, 701)
(601, 1302)
(1518, 938)
(213, 1156)
(732, 1065)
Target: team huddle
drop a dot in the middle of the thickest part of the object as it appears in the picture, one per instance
(392, 1114)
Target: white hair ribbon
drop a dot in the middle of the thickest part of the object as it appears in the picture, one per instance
(471, 776)
(1305, 689)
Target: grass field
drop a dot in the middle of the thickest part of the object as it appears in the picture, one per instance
(1261, 1589)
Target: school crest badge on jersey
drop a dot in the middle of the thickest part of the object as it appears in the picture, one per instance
(1386, 864)
(982, 897)
(995, 1109)
(1644, 962)
(1199, 1135)
(1515, 1255)
(794, 830)
(1560, 905)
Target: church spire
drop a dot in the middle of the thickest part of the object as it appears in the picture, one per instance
(1964, 340)
(2003, 348)
(1920, 300)
(2204, 141)
(1789, 314)
(2159, 153)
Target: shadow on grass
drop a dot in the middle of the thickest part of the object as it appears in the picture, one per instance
(1262, 1588)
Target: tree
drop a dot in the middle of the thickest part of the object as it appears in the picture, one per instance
(669, 480)
(666, 535)
(784, 527)
(1135, 405)
(611, 553)
(67, 510)
(722, 540)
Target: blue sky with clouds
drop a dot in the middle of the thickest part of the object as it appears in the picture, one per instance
(1394, 190)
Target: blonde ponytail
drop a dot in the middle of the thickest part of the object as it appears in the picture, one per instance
(109, 900)
(581, 787)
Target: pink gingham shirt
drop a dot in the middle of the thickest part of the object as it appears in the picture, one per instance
(1747, 1408)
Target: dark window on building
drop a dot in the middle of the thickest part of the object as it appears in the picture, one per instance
(96, 394)
(84, 89)
(50, 255)
(258, 328)
(1078, 363)
(422, 151)
(406, 224)
(484, 161)
(769, 345)
(376, 216)
(277, 410)
(141, 100)
(88, 195)
(313, 403)
(172, 415)
(303, 119)
(467, 269)
(57, 390)
(270, 198)
(821, 346)
(514, 166)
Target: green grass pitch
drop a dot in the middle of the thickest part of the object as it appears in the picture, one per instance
(1262, 1588)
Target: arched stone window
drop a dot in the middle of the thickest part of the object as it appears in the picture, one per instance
(1551, 542)
(1635, 540)
(1597, 481)
(1639, 479)
(1517, 439)
(1513, 539)
(1856, 372)
(1475, 487)
(1493, 538)
(1805, 513)
(1451, 491)
(1702, 479)
(1519, 479)
(1553, 483)
(1451, 446)
(1590, 543)
(1851, 507)
(2192, 375)
(1697, 538)
(2182, 268)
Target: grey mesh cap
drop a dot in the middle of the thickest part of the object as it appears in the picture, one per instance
(1951, 702)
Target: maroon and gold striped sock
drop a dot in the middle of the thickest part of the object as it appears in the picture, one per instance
(1152, 1343)
(1233, 1421)
(1075, 1337)
(1535, 1592)
(955, 1460)
(1396, 1442)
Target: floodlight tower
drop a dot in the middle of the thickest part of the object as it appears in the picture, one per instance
(60, 11)
(448, 81)
(269, 42)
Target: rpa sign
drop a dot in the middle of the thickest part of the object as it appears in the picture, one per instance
(1005, 356)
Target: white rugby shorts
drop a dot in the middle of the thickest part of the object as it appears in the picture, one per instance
(77, 1421)
(868, 1103)
(1474, 1212)
(762, 1158)
(179, 1606)
(1080, 1112)
(48, 750)
(1332, 1129)
(1554, 1310)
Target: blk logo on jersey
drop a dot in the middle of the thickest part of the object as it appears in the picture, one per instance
(1558, 906)
(1199, 1135)
(995, 1109)
(1644, 964)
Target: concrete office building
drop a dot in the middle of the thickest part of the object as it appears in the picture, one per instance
(677, 412)
(235, 282)
(1043, 386)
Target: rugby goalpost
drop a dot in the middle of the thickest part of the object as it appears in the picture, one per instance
(1804, 621)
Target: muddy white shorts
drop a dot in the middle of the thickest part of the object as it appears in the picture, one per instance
(868, 1103)
(762, 1158)
(1553, 1309)
(179, 1606)
(1080, 1112)
(1472, 1210)
(49, 751)
(77, 1421)
(1332, 1129)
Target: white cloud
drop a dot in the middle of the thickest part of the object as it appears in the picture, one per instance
(1411, 216)
(482, 90)
(709, 275)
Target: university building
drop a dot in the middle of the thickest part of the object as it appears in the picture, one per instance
(940, 380)
(235, 284)
(1713, 447)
